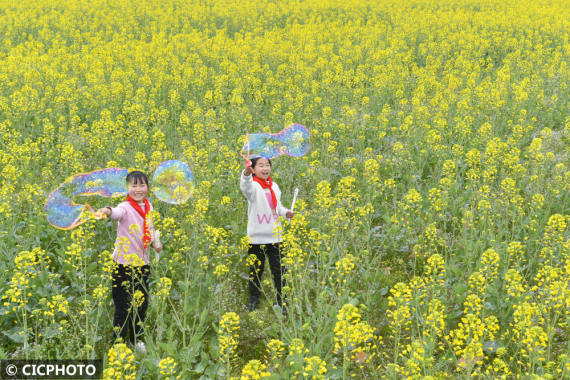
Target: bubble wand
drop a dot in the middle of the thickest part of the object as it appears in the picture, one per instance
(295, 193)
(157, 240)
(246, 157)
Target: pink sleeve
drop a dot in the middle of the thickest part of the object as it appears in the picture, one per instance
(117, 213)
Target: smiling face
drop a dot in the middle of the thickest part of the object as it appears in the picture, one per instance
(262, 168)
(138, 190)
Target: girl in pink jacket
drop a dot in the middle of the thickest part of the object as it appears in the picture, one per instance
(131, 256)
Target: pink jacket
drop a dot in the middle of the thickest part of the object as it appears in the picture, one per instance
(129, 244)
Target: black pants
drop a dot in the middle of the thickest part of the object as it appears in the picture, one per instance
(130, 312)
(273, 252)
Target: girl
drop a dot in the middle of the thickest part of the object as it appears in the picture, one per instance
(131, 256)
(264, 207)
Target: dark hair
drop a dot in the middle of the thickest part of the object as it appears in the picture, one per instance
(137, 177)
(255, 159)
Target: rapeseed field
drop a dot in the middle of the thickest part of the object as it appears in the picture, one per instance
(431, 235)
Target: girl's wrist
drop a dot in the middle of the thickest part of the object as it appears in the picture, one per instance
(110, 210)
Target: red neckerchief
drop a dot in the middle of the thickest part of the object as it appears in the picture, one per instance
(267, 185)
(146, 234)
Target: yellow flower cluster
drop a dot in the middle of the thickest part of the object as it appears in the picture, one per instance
(471, 333)
(409, 209)
(163, 287)
(315, 368)
(138, 299)
(275, 350)
(100, 292)
(399, 311)
(296, 358)
(343, 268)
(435, 272)
(57, 304)
(228, 335)
(254, 370)
(351, 335)
(297, 347)
(27, 267)
(167, 369)
(120, 363)
(490, 264)
(416, 360)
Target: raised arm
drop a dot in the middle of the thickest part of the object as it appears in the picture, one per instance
(246, 184)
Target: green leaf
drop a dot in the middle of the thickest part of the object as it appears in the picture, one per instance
(15, 335)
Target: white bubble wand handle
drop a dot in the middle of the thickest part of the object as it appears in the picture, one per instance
(295, 193)
(156, 241)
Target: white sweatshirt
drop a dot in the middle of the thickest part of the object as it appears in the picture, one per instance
(261, 218)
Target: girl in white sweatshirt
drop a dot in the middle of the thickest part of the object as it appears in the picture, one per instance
(264, 208)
